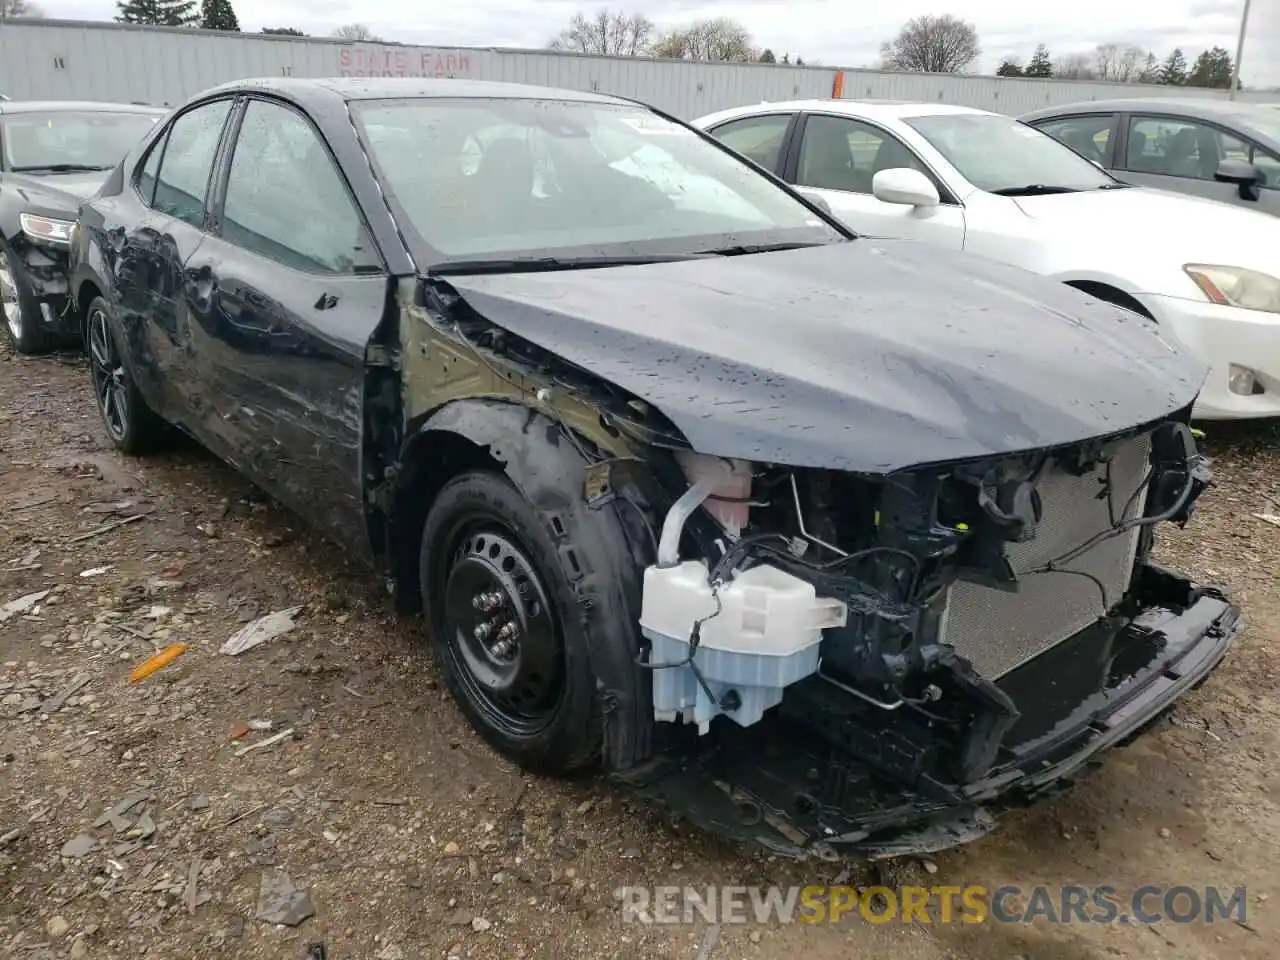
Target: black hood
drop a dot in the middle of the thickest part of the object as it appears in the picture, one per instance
(56, 192)
(867, 356)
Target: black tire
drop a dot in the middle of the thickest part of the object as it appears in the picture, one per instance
(131, 424)
(482, 538)
(19, 309)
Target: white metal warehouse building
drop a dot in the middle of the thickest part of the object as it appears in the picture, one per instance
(81, 60)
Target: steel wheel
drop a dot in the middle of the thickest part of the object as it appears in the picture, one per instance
(10, 299)
(110, 384)
(502, 632)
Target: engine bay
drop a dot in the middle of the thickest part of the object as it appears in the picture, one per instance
(847, 607)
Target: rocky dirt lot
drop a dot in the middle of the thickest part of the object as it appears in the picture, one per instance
(329, 766)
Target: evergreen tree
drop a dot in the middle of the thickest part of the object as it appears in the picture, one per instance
(283, 31)
(767, 56)
(219, 15)
(1212, 69)
(1150, 72)
(1173, 72)
(1039, 65)
(1009, 68)
(160, 13)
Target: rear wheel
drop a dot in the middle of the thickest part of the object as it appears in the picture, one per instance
(130, 423)
(20, 309)
(500, 614)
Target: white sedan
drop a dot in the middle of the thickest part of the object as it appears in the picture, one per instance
(1207, 272)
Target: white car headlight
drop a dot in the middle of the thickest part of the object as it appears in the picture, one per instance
(1237, 287)
(46, 229)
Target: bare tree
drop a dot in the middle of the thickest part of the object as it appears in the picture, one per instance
(1120, 64)
(929, 44)
(355, 31)
(19, 8)
(615, 33)
(1074, 66)
(719, 38)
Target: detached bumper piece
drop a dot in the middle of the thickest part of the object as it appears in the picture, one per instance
(44, 275)
(804, 782)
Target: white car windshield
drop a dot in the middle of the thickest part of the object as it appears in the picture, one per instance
(521, 178)
(65, 140)
(1266, 122)
(1001, 155)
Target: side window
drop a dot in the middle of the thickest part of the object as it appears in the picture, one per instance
(1087, 136)
(286, 200)
(147, 176)
(1268, 165)
(838, 153)
(183, 182)
(1179, 148)
(759, 138)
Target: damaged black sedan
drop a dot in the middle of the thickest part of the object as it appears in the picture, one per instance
(52, 156)
(831, 543)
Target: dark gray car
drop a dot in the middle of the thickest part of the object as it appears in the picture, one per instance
(52, 155)
(1220, 149)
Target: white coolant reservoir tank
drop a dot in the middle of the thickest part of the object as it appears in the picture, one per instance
(765, 637)
(729, 500)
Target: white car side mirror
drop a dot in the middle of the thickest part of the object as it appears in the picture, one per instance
(906, 186)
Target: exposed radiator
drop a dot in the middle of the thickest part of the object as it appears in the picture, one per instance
(997, 631)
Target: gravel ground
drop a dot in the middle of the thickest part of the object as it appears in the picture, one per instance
(134, 820)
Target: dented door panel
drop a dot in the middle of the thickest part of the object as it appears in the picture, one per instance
(281, 363)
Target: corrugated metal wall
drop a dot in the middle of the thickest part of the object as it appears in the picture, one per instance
(69, 60)
(62, 59)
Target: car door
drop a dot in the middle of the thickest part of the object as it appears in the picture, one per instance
(759, 137)
(285, 293)
(1174, 153)
(837, 159)
(152, 229)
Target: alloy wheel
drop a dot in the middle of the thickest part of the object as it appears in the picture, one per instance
(502, 630)
(10, 300)
(110, 385)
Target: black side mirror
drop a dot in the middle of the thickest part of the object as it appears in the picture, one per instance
(1242, 173)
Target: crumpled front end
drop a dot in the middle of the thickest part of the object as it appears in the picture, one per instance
(39, 266)
(844, 661)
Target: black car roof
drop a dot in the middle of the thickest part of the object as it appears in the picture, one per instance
(315, 90)
(77, 106)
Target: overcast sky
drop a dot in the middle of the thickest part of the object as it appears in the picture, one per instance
(837, 32)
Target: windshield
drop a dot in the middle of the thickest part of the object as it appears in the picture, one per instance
(999, 154)
(58, 140)
(1266, 122)
(501, 179)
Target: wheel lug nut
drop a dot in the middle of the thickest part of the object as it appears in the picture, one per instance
(482, 630)
(484, 602)
(509, 631)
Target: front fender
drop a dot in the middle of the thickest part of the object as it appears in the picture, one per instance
(602, 548)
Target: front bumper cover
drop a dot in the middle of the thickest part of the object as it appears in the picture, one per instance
(761, 785)
(45, 271)
(1224, 336)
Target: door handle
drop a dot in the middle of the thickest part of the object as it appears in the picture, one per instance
(327, 301)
